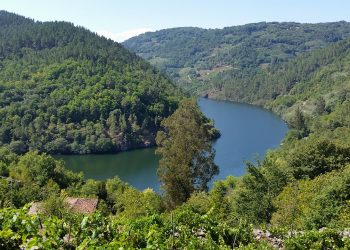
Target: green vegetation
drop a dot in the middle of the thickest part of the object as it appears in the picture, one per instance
(232, 63)
(185, 144)
(298, 192)
(63, 89)
(132, 219)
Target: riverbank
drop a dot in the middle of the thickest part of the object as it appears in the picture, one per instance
(246, 131)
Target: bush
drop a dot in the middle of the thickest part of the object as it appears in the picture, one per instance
(327, 239)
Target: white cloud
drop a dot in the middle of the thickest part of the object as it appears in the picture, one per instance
(122, 36)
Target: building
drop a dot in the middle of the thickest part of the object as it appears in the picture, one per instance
(78, 205)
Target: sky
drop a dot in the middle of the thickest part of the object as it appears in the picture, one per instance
(122, 19)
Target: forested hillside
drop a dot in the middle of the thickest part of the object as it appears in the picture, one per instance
(317, 82)
(222, 62)
(298, 197)
(64, 89)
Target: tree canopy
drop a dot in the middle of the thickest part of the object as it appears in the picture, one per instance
(297, 197)
(64, 89)
(185, 145)
(235, 63)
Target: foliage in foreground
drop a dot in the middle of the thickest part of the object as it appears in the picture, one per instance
(294, 192)
(180, 229)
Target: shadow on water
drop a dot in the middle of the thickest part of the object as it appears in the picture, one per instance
(247, 132)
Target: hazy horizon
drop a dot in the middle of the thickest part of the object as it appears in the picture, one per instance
(122, 20)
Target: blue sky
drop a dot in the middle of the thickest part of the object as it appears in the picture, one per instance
(121, 19)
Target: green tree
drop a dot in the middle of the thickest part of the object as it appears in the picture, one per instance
(253, 198)
(91, 94)
(314, 203)
(298, 121)
(185, 144)
(320, 106)
(317, 156)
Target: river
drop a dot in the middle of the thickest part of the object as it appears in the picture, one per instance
(247, 132)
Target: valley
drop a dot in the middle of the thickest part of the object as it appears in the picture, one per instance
(262, 163)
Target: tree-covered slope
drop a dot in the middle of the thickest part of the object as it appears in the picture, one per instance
(222, 62)
(317, 82)
(292, 77)
(298, 194)
(304, 184)
(64, 89)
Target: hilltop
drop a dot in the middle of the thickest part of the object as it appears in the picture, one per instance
(297, 197)
(64, 89)
(221, 62)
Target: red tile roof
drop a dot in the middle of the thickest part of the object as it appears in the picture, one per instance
(78, 205)
(82, 205)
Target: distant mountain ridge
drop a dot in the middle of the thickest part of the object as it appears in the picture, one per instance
(64, 89)
(218, 62)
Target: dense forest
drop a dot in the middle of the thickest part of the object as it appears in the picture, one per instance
(297, 197)
(222, 62)
(64, 89)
